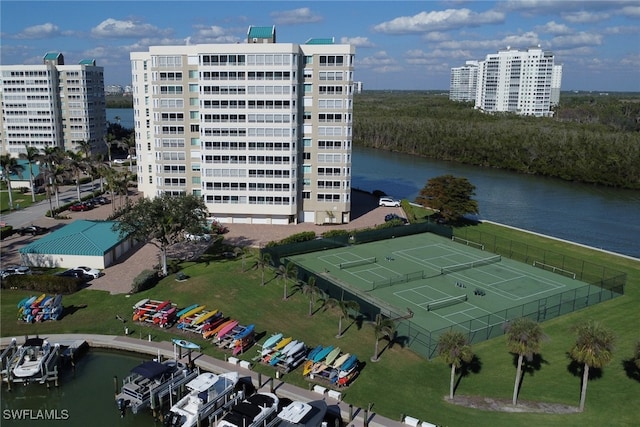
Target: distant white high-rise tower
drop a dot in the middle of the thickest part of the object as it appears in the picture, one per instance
(52, 105)
(463, 82)
(518, 82)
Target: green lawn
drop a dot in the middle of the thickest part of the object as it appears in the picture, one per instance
(401, 382)
(20, 200)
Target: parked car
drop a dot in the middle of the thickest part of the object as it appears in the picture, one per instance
(92, 273)
(388, 202)
(14, 269)
(81, 207)
(100, 200)
(392, 216)
(33, 230)
(78, 274)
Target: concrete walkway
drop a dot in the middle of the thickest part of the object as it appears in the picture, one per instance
(210, 364)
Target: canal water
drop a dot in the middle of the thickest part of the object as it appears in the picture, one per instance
(596, 216)
(85, 397)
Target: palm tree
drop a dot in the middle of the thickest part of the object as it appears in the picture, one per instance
(108, 141)
(454, 348)
(310, 289)
(382, 328)
(286, 272)
(345, 309)
(31, 155)
(76, 166)
(263, 261)
(84, 147)
(636, 355)
(10, 166)
(524, 338)
(593, 348)
(56, 176)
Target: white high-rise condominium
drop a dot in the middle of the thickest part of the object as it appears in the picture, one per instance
(52, 105)
(261, 130)
(517, 81)
(463, 82)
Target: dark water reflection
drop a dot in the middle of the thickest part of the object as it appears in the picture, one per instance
(596, 216)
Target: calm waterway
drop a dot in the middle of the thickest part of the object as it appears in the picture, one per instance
(596, 216)
(84, 398)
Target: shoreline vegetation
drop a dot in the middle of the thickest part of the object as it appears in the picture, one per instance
(593, 138)
(418, 386)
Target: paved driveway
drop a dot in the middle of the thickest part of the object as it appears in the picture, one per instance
(119, 277)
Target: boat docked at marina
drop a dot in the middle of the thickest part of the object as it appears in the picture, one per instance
(301, 414)
(150, 382)
(33, 359)
(208, 393)
(256, 410)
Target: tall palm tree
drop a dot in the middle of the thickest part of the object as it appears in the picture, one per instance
(10, 166)
(593, 349)
(344, 310)
(524, 338)
(52, 159)
(31, 155)
(382, 328)
(77, 166)
(84, 148)
(108, 141)
(455, 350)
(286, 272)
(263, 261)
(311, 290)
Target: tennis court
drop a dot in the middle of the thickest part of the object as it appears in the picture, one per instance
(443, 282)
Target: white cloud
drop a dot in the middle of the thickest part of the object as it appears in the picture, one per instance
(576, 40)
(584, 17)
(302, 15)
(42, 31)
(631, 11)
(622, 30)
(449, 19)
(554, 28)
(212, 34)
(357, 41)
(113, 28)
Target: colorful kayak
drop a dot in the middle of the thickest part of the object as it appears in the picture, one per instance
(306, 368)
(204, 317)
(282, 343)
(226, 330)
(349, 363)
(322, 354)
(245, 332)
(333, 355)
(186, 310)
(271, 341)
(185, 344)
(212, 332)
(340, 360)
(140, 303)
(192, 312)
(315, 351)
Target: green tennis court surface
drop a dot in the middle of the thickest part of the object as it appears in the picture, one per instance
(444, 282)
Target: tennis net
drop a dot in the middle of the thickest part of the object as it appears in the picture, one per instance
(445, 302)
(358, 262)
(472, 264)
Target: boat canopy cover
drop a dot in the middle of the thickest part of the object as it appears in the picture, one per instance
(34, 342)
(151, 369)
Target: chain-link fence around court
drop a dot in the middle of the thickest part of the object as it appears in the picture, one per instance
(602, 283)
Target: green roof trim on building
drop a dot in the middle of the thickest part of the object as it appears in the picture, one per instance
(261, 32)
(321, 41)
(91, 62)
(82, 237)
(50, 56)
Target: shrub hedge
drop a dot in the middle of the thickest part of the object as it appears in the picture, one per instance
(43, 283)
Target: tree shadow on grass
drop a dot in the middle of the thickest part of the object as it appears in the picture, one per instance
(576, 369)
(631, 369)
(472, 367)
(69, 310)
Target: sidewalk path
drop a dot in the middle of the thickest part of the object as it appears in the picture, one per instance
(210, 364)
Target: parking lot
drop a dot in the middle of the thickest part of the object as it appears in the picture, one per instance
(118, 277)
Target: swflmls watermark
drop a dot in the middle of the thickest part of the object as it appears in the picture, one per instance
(35, 414)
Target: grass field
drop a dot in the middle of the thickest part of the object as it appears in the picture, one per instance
(401, 382)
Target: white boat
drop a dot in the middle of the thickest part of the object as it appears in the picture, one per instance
(302, 414)
(149, 379)
(254, 411)
(33, 357)
(208, 393)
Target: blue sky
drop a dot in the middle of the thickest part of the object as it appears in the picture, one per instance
(399, 44)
